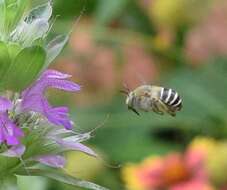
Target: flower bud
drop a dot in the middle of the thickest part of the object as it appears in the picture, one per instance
(24, 49)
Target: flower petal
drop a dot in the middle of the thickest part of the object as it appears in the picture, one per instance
(55, 161)
(54, 74)
(58, 117)
(58, 131)
(9, 132)
(33, 98)
(70, 145)
(192, 184)
(14, 151)
(78, 137)
(62, 85)
(5, 104)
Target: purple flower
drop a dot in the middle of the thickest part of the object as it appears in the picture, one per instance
(69, 140)
(76, 146)
(5, 104)
(14, 151)
(56, 161)
(9, 132)
(33, 98)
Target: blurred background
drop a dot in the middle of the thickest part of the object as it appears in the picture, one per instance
(178, 44)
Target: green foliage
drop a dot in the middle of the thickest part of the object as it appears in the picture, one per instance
(204, 93)
(136, 19)
(25, 50)
(106, 11)
(11, 13)
(62, 177)
(13, 49)
(73, 8)
(5, 60)
(38, 183)
(24, 68)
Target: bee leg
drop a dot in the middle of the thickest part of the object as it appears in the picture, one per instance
(134, 110)
(155, 107)
(171, 112)
(166, 108)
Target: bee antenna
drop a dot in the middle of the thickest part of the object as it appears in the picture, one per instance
(127, 89)
(124, 92)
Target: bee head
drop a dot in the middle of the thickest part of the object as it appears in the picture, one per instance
(129, 102)
(129, 99)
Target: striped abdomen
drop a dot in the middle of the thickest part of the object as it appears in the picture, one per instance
(171, 98)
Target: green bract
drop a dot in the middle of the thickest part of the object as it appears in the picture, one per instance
(24, 48)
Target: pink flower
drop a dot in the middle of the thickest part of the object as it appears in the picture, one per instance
(209, 38)
(172, 172)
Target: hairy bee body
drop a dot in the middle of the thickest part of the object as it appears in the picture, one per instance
(154, 98)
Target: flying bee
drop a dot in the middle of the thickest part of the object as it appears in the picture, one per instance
(153, 98)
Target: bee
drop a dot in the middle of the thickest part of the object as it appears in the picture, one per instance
(153, 98)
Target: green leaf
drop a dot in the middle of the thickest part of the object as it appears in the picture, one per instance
(21, 6)
(13, 49)
(25, 68)
(64, 178)
(55, 47)
(135, 18)
(38, 183)
(2, 15)
(4, 60)
(108, 10)
(14, 10)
